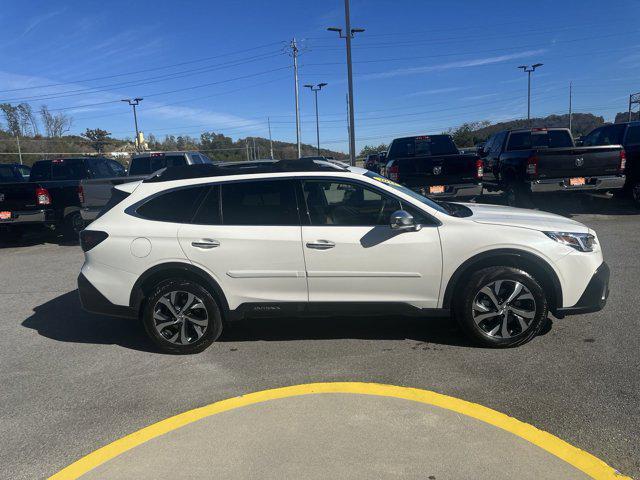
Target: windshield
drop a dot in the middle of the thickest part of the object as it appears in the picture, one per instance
(427, 201)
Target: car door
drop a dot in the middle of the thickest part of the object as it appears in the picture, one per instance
(247, 235)
(353, 255)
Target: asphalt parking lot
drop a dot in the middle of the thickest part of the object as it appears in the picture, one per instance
(72, 382)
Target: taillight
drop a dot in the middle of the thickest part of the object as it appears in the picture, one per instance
(393, 172)
(91, 238)
(42, 196)
(479, 169)
(623, 161)
(81, 194)
(532, 165)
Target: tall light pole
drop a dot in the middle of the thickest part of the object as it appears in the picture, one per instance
(348, 35)
(315, 89)
(570, 102)
(134, 103)
(529, 69)
(294, 53)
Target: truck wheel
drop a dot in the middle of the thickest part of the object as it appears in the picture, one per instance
(501, 307)
(181, 317)
(73, 225)
(635, 193)
(518, 196)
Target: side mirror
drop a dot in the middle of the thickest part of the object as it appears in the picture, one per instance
(403, 221)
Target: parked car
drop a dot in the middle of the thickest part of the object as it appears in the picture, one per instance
(196, 247)
(627, 135)
(50, 197)
(373, 162)
(433, 166)
(14, 172)
(94, 193)
(540, 160)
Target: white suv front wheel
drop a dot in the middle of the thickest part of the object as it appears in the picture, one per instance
(501, 307)
(182, 317)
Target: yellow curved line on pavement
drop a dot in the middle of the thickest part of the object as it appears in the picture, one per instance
(587, 463)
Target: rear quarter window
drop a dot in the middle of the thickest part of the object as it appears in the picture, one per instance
(176, 206)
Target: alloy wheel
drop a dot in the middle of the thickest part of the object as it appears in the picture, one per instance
(180, 317)
(504, 308)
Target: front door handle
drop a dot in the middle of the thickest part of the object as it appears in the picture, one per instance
(206, 243)
(321, 245)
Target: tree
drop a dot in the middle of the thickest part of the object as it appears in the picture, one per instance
(465, 134)
(98, 138)
(12, 118)
(28, 124)
(54, 125)
(369, 149)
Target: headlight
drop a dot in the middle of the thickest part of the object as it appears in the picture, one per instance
(583, 242)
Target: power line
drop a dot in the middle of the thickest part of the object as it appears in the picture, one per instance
(135, 72)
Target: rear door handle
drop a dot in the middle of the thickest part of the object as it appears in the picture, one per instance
(206, 243)
(321, 245)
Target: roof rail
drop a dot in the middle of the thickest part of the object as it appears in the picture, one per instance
(238, 168)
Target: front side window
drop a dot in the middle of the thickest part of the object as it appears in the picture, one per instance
(271, 202)
(347, 204)
(99, 168)
(177, 206)
(117, 168)
(593, 138)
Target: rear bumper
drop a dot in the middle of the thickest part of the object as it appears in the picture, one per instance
(93, 301)
(611, 182)
(453, 191)
(594, 297)
(89, 214)
(29, 217)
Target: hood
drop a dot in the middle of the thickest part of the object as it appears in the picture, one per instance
(523, 218)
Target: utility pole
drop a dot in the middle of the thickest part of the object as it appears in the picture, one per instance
(246, 144)
(570, 99)
(270, 141)
(634, 98)
(529, 69)
(294, 53)
(255, 155)
(135, 102)
(315, 89)
(19, 151)
(348, 36)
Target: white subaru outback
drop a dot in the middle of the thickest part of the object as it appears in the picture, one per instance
(190, 249)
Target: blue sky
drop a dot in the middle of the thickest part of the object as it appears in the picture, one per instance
(420, 67)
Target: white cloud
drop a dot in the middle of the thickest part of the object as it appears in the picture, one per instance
(38, 19)
(434, 91)
(477, 62)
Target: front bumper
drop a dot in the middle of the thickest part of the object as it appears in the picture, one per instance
(612, 182)
(29, 217)
(451, 191)
(93, 301)
(594, 297)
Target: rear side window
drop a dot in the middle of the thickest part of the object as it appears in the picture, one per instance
(176, 206)
(40, 171)
(270, 202)
(140, 166)
(173, 161)
(209, 212)
(633, 136)
(68, 169)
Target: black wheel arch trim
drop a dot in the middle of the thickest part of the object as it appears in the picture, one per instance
(137, 295)
(514, 254)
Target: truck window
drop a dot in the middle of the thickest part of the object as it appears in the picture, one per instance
(7, 174)
(423, 146)
(68, 169)
(633, 135)
(99, 168)
(496, 145)
(140, 166)
(40, 171)
(540, 139)
(117, 168)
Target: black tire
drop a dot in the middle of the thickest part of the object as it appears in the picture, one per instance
(471, 288)
(635, 193)
(210, 334)
(517, 196)
(72, 226)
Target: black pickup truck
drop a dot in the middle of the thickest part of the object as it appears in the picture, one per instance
(538, 160)
(628, 135)
(433, 166)
(50, 197)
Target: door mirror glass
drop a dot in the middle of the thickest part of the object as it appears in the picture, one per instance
(402, 220)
